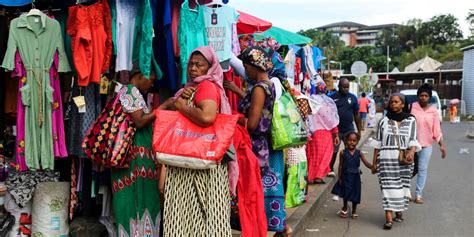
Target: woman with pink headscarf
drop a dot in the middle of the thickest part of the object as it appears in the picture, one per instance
(323, 126)
(197, 202)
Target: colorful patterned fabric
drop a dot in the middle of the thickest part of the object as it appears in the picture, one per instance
(257, 57)
(261, 135)
(136, 199)
(273, 190)
(297, 185)
(197, 202)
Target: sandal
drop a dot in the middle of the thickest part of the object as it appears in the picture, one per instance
(399, 217)
(319, 181)
(387, 226)
(354, 216)
(342, 214)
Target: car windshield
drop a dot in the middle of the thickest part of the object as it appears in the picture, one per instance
(412, 98)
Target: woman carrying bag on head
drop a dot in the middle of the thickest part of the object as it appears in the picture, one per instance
(197, 201)
(395, 146)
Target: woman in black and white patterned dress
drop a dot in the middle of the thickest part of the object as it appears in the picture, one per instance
(394, 178)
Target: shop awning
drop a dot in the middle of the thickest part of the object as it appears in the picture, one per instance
(14, 3)
(248, 24)
(285, 37)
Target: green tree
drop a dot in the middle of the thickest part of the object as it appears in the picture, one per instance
(440, 30)
(326, 41)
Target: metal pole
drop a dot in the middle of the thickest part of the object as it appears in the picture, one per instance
(388, 56)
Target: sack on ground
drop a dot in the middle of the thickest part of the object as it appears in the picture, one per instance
(50, 212)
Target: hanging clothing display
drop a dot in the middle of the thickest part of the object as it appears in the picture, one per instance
(163, 44)
(59, 138)
(77, 124)
(143, 38)
(37, 44)
(91, 34)
(308, 54)
(127, 11)
(219, 24)
(191, 34)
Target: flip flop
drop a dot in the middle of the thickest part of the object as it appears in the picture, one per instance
(342, 214)
(355, 216)
(319, 181)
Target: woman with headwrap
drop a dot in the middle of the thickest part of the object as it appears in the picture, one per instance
(323, 126)
(257, 106)
(429, 131)
(197, 202)
(397, 130)
(136, 199)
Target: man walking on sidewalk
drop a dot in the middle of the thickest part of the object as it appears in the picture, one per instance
(364, 109)
(348, 110)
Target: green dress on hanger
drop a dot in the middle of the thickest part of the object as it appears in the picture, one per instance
(136, 199)
(37, 38)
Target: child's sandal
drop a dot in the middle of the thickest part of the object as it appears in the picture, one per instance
(342, 214)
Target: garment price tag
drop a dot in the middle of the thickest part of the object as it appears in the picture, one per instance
(37, 20)
(104, 85)
(118, 87)
(214, 18)
(80, 103)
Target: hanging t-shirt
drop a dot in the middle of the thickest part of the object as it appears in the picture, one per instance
(127, 11)
(219, 22)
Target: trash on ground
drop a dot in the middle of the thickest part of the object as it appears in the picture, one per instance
(464, 151)
(312, 230)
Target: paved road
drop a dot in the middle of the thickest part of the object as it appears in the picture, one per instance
(448, 194)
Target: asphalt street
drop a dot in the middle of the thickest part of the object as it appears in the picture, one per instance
(449, 198)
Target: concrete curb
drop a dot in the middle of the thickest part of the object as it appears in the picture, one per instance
(303, 214)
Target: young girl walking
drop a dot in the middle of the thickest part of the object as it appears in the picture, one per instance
(348, 185)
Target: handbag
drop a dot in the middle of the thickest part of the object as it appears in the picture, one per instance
(402, 158)
(111, 136)
(288, 128)
(179, 142)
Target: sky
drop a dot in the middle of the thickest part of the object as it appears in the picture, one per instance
(294, 15)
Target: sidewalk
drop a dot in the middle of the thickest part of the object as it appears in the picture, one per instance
(298, 216)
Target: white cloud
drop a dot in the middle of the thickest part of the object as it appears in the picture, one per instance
(304, 14)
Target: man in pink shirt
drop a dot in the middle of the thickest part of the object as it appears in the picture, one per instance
(429, 131)
(364, 108)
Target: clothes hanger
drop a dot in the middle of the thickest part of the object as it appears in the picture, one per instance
(34, 11)
(215, 4)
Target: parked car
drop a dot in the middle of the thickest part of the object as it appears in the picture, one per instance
(410, 96)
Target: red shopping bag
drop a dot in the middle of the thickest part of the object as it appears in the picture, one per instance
(177, 141)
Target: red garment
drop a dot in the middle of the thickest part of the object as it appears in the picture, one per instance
(91, 40)
(233, 97)
(207, 90)
(175, 11)
(363, 104)
(252, 215)
(319, 153)
(297, 70)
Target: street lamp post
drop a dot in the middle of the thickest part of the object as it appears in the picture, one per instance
(340, 65)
